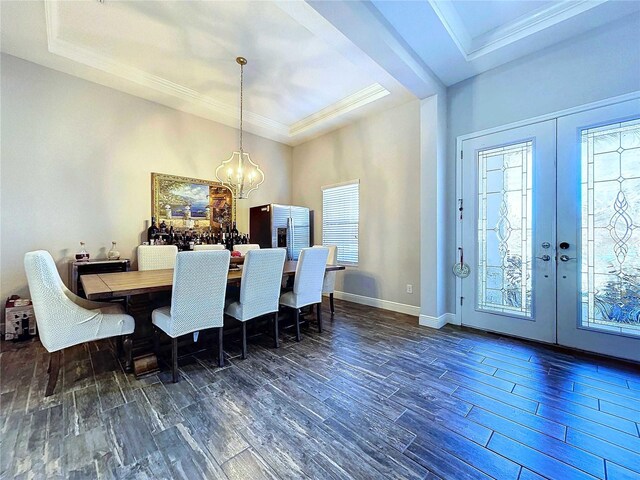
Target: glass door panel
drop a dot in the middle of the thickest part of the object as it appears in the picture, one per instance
(508, 192)
(599, 180)
(611, 228)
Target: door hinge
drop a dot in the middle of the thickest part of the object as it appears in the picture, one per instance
(461, 299)
(461, 155)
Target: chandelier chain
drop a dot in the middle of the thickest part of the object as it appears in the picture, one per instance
(241, 101)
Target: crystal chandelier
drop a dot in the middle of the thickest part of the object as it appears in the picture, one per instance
(239, 173)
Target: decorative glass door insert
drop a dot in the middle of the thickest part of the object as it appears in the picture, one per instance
(610, 174)
(504, 275)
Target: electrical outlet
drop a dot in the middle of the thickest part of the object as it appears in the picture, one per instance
(409, 288)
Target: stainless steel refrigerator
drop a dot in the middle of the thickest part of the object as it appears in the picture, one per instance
(286, 226)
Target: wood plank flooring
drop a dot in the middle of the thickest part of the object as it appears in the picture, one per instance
(373, 396)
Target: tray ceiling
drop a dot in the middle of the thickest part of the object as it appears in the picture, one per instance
(297, 84)
(313, 65)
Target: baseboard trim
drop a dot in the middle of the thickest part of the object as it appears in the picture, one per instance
(378, 303)
(437, 322)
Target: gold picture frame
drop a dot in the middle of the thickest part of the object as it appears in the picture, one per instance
(200, 196)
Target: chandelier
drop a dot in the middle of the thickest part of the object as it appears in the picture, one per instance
(239, 173)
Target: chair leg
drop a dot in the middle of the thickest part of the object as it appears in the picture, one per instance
(49, 367)
(119, 349)
(297, 314)
(127, 345)
(220, 349)
(244, 340)
(276, 340)
(156, 341)
(333, 310)
(319, 315)
(174, 359)
(54, 369)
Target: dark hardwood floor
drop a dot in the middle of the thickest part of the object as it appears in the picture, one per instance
(373, 396)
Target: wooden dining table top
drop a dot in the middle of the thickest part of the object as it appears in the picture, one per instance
(102, 286)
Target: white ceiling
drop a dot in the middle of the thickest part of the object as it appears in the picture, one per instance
(466, 38)
(313, 66)
(482, 16)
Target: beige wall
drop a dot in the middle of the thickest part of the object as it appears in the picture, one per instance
(76, 159)
(383, 151)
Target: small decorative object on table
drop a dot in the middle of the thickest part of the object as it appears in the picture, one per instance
(113, 254)
(82, 255)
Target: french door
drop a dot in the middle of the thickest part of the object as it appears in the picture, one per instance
(550, 230)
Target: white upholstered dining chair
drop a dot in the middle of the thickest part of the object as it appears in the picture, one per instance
(64, 319)
(156, 257)
(197, 299)
(259, 290)
(214, 246)
(243, 248)
(329, 284)
(307, 286)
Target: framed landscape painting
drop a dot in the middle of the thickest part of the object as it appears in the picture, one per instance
(190, 202)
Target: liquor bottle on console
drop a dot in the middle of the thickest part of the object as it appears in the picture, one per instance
(152, 231)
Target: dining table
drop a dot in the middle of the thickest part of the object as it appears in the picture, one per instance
(105, 286)
(134, 287)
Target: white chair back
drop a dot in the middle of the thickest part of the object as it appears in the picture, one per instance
(245, 247)
(329, 284)
(62, 322)
(215, 246)
(307, 287)
(156, 257)
(261, 278)
(199, 286)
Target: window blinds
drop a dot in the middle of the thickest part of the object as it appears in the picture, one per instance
(340, 217)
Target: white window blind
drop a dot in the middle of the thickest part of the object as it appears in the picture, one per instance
(340, 218)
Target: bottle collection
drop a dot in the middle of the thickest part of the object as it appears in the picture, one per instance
(185, 239)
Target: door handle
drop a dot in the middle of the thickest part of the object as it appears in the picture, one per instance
(545, 258)
(566, 258)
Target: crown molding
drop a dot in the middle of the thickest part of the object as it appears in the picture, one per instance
(342, 107)
(473, 48)
(91, 58)
(280, 131)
